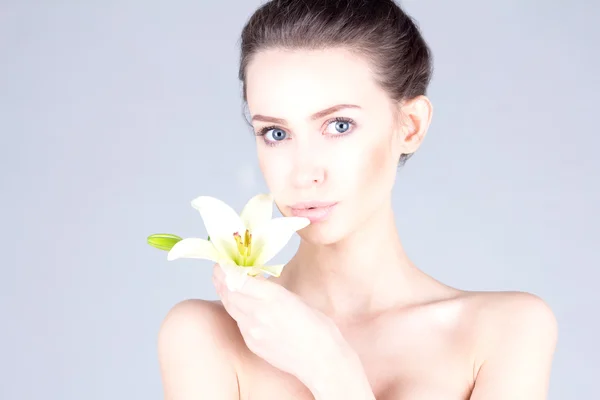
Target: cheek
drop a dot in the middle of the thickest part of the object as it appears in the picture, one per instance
(378, 175)
(365, 168)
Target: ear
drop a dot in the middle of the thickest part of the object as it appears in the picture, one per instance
(414, 118)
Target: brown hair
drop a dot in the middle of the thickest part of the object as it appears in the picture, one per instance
(376, 29)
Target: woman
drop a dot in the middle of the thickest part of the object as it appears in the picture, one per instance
(336, 93)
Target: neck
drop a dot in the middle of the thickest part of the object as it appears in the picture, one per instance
(366, 272)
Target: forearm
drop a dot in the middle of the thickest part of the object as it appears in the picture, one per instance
(342, 378)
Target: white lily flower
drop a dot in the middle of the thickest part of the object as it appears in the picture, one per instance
(241, 244)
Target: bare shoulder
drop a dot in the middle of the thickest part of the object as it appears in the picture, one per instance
(196, 348)
(497, 313)
(197, 319)
(516, 335)
(196, 313)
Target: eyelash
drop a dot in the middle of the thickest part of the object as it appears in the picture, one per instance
(266, 129)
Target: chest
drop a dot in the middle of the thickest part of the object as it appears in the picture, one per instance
(403, 359)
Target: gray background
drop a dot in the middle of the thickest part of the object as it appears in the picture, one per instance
(114, 115)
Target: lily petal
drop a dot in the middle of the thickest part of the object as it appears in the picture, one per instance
(273, 270)
(257, 211)
(194, 248)
(221, 222)
(272, 236)
(235, 276)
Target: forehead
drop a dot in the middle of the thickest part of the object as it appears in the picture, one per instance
(296, 83)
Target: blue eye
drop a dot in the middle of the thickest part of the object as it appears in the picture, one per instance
(342, 125)
(277, 134)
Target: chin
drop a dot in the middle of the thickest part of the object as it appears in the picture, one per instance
(323, 233)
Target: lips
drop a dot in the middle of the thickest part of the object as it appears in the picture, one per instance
(313, 210)
(312, 204)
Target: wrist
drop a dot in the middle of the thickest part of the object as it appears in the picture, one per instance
(341, 377)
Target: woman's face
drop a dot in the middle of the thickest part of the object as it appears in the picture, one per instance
(305, 154)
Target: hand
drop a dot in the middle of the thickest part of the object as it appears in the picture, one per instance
(283, 330)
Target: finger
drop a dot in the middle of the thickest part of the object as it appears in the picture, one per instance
(254, 290)
(245, 304)
(240, 306)
(261, 288)
(215, 275)
(217, 272)
(252, 333)
(232, 275)
(229, 306)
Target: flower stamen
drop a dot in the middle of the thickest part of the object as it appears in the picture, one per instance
(244, 246)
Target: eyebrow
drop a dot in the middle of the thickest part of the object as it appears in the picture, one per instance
(315, 116)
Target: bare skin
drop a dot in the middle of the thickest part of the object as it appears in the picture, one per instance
(414, 337)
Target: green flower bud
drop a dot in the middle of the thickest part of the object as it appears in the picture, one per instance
(163, 241)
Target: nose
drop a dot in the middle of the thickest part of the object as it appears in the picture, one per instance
(309, 169)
